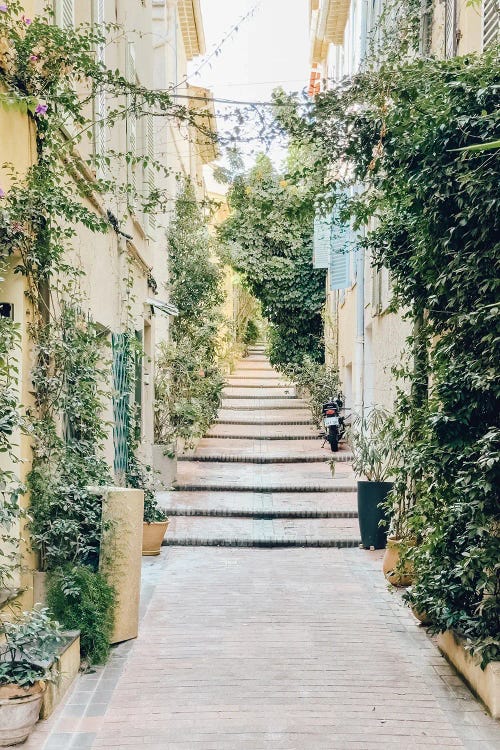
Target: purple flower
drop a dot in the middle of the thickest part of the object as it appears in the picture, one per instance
(27, 21)
(3, 7)
(2, 193)
(33, 58)
(41, 109)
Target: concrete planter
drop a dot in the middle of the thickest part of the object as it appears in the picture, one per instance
(19, 710)
(121, 554)
(67, 665)
(40, 587)
(485, 683)
(164, 465)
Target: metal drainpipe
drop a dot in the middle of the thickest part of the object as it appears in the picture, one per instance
(360, 331)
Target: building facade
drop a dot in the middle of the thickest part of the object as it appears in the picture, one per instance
(123, 272)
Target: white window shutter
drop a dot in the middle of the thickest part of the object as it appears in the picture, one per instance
(150, 142)
(131, 124)
(339, 256)
(321, 242)
(65, 13)
(491, 22)
(450, 28)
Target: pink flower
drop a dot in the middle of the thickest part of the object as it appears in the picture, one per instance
(41, 109)
(33, 58)
(2, 193)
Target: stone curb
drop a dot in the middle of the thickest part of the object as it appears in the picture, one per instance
(272, 542)
(265, 459)
(259, 514)
(253, 488)
(212, 436)
(260, 422)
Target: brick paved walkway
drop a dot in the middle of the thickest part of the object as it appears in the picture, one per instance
(268, 649)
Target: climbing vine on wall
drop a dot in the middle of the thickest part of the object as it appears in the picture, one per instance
(400, 127)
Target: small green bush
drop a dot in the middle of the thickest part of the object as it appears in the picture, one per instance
(320, 382)
(82, 599)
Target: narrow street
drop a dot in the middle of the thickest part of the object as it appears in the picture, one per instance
(250, 639)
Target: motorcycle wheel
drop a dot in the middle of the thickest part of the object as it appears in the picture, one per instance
(333, 439)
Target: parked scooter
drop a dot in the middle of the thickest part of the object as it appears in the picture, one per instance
(334, 423)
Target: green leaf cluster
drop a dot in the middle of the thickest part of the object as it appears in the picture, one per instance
(82, 599)
(268, 237)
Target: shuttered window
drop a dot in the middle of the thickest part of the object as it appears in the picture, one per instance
(149, 176)
(450, 28)
(321, 242)
(65, 13)
(341, 240)
(491, 22)
(100, 106)
(131, 75)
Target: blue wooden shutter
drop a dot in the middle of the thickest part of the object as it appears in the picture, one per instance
(321, 243)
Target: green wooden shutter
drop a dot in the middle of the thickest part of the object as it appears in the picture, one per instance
(321, 242)
(121, 403)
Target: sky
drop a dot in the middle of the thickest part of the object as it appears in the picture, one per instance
(269, 49)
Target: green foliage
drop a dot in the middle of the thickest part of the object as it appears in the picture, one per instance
(189, 380)
(269, 240)
(82, 599)
(65, 520)
(28, 647)
(252, 333)
(10, 419)
(320, 384)
(153, 513)
(403, 129)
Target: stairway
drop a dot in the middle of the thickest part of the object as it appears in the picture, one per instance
(260, 477)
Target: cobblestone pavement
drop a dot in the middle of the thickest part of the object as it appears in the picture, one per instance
(268, 649)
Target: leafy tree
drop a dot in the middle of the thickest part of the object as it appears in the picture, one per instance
(268, 237)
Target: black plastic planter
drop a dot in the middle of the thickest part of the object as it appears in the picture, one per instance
(370, 496)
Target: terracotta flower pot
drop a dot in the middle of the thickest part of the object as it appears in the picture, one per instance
(19, 711)
(391, 566)
(152, 537)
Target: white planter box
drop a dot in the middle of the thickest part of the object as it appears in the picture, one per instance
(485, 683)
(165, 467)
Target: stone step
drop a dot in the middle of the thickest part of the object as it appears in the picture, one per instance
(256, 381)
(251, 532)
(252, 420)
(272, 405)
(257, 514)
(264, 394)
(245, 459)
(302, 505)
(230, 487)
(220, 436)
(251, 448)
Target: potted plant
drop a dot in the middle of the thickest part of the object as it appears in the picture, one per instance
(28, 649)
(155, 525)
(398, 568)
(374, 458)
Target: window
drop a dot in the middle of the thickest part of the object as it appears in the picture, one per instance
(131, 75)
